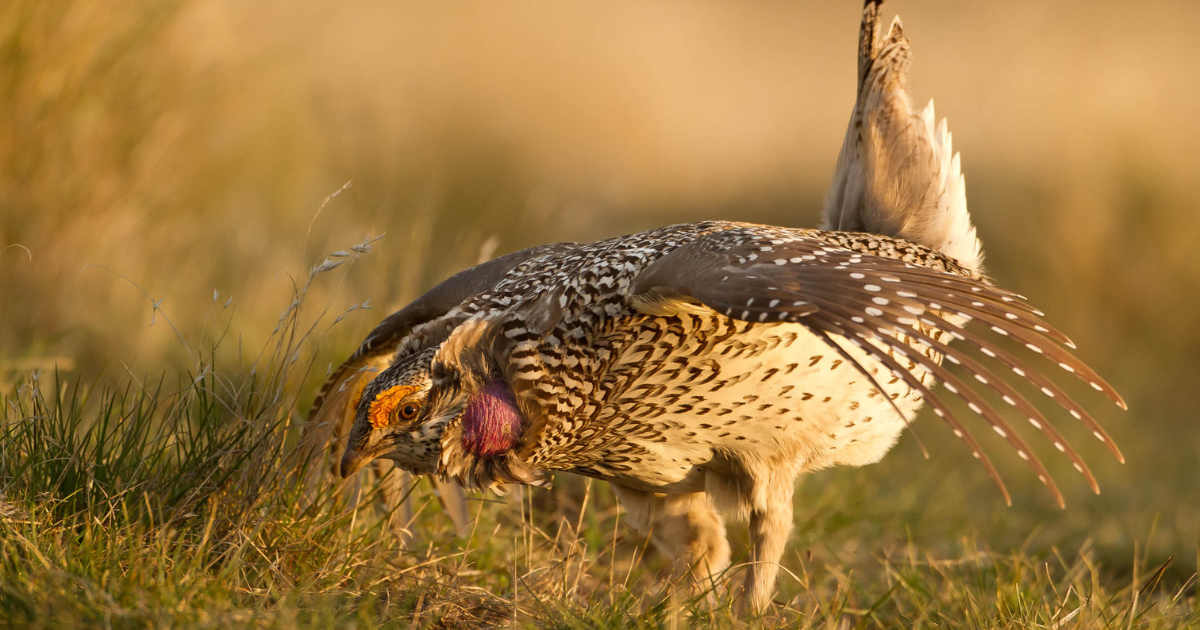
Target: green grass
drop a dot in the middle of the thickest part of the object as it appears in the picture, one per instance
(185, 500)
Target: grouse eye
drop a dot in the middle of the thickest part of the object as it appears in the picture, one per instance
(409, 411)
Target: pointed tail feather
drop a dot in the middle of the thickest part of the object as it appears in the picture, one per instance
(897, 173)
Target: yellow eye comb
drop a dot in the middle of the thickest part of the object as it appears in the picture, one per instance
(380, 413)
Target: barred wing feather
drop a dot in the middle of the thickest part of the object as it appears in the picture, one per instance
(877, 293)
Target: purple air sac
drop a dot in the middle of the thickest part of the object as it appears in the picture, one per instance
(491, 422)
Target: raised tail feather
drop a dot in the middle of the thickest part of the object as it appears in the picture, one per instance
(897, 174)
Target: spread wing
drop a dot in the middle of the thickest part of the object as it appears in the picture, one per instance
(884, 296)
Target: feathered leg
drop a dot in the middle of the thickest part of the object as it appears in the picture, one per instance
(395, 489)
(685, 528)
(770, 525)
(454, 502)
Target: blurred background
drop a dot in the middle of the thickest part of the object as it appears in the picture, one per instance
(175, 153)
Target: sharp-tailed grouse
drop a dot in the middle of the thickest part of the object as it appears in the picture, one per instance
(700, 368)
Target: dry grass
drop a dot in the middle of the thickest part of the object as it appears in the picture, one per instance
(161, 166)
(186, 505)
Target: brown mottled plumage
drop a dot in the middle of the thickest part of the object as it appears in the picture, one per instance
(701, 367)
(424, 323)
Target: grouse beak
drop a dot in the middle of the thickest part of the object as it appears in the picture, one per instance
(353, 461)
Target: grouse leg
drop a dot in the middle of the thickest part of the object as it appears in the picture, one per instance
(685, 528)
(770, 525)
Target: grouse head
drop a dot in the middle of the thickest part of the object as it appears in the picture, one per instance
(391, 420)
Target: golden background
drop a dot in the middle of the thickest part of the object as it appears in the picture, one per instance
(188, 145)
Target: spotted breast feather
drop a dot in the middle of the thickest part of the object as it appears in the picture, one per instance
(742, 342)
